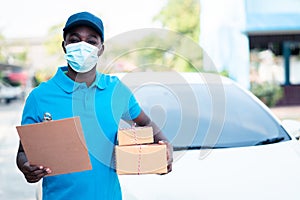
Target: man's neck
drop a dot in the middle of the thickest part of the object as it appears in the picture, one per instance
(87, 77)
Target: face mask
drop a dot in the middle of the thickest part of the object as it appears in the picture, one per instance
(81, 56)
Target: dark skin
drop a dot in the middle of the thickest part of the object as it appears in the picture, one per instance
(34, 173)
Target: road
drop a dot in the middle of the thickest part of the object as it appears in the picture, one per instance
(13, 185)
(287, 112)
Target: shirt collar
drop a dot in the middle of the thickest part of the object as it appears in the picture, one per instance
(69, 86)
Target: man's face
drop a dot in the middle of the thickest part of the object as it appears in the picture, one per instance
(83, 33)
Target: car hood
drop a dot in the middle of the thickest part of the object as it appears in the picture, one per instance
(259, 172)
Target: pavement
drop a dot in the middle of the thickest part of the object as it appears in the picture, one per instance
(287, 112)
(12, 182)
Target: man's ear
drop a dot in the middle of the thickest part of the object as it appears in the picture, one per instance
(63, 46)
(100, 52)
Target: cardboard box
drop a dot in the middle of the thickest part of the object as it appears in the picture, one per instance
(141, 159)
(135, 135)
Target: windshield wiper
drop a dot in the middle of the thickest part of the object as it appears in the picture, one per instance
(270, 141)
(179, 148)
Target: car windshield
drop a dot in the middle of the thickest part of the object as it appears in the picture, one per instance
(201, 116)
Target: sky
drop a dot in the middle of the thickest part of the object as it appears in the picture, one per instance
(33, 18)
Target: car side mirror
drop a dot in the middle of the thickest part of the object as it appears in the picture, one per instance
(293, 127)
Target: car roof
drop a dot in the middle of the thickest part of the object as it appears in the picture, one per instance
(172, 77)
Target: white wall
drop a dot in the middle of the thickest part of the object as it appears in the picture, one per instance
(222, 26)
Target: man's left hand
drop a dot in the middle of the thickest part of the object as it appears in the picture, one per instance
(169, 154)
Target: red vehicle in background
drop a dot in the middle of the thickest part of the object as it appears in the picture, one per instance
(17, 77)
(13, 82)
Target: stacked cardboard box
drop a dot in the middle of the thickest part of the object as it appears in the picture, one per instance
(136, 153)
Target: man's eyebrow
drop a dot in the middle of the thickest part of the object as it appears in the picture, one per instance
(74, 34)
(78, 35)
(93, 35)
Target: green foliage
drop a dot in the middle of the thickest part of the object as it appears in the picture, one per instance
(155, 49)
(174, 54)
(3, 58)
(20, 57)
(54, 39)
(179, 51)
(173, 48)
(181, 16)
(224, 73)
(8, 56)
(269, 93)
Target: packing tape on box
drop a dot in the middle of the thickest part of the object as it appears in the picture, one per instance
(135, 135)
(139, 159)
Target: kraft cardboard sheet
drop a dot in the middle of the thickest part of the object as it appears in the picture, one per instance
(57, 144)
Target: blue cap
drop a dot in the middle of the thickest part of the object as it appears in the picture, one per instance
(86, 19)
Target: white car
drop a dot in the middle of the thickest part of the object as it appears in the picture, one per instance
(9, 93)
(227, 143)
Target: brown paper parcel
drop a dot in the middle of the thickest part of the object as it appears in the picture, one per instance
(58, 144)
(141, 159)
(135, 135)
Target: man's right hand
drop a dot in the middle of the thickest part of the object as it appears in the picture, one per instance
(34, 173)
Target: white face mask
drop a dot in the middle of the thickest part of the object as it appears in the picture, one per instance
(81, 56)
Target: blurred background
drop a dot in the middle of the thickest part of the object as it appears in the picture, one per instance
(254, 42)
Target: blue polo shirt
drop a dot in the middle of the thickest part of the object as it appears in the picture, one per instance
(100, 108)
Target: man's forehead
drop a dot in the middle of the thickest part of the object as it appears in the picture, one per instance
(83, 30)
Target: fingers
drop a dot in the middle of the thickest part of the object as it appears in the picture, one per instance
(169, 151)
(169, 167)
(161, 142)
(169, 154)
(34, 173)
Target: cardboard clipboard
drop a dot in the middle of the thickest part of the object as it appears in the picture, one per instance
(57, 144)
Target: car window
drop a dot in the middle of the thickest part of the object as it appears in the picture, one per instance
(198, 115)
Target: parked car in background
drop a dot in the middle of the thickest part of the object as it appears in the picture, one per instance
(227, 143)
(9, 93)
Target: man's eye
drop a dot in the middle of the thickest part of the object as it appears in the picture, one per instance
(74, 40)
(92, 42)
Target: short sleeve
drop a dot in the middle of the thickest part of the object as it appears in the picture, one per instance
(30, 115)
(133, 110)
(123, 96)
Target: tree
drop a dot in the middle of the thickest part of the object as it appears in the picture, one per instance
(55, 55)
(9, 55)
(151, 49)
(54, 39)
(181, 51)
(181, 16)
(2, 49)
